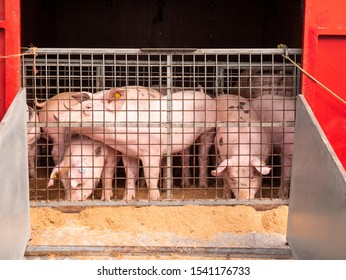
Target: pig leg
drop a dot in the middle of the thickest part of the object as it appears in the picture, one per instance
(286, 169)
(151, 167)
(185, 180)
(141, 182)
(206, 141)
(226, 179)
(60, 141)
(58, 148)
(164, 172)
(32, 159)
(131, 168)
(227, 192)
(186, 172)
(286, 152)
(55, 152)
(108, 171)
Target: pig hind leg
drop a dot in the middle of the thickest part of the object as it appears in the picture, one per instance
(286, 169)
(186, 172)
(131, 168)
(108, 171)
(151, 167)
(206, 141)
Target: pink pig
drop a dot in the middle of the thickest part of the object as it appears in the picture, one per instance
(275, 108)
(254, 83)
(57, 135)
(141, 130)
(55, 105)
(242, 149)
(85, 162)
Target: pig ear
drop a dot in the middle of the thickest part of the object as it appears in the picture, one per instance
(74, 183)
(53, 175)
(222, 166)
(81, 96)
(200, 88)
(117, 95)
(56, 117)
(114, 94)
(261, 166)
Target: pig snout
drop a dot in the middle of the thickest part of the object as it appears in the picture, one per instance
(241, 151)
(241, 178)
(79, 192)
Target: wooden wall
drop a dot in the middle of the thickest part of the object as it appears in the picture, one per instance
(161, 23)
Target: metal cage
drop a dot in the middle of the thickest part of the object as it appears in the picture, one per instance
(244, 73)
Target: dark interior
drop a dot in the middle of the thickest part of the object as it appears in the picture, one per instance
(162, 23)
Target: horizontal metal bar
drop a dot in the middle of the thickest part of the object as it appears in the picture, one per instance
(83, 51)
(122, 63)
(226, 252)
(170, 202)
(168, 50)
(161, 124)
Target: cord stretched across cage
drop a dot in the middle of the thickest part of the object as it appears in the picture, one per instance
(286, 56)
(30, 51)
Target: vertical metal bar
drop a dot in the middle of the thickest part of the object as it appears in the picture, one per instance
(80, 72)
(95, 76)
(34, 87)
(47, 91)
(169, 126)
(228, 76)
(103, 73)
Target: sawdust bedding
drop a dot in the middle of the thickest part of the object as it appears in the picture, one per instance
(190, 221)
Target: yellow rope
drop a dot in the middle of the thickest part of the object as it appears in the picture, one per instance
(31, 51)
(285, 55)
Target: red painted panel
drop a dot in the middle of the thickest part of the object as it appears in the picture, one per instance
(9, 45)
(2, 73)
(324, 57)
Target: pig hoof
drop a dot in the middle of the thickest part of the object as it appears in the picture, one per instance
(284, 190)
(142, 183)
(283, 193)
(107, 197)
(203, 184)
(185, 183)
(227, 194)
(155, 195)
(128, 198)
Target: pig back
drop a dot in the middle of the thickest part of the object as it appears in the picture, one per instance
(234, 108)
(276, 109)
(54, 105)
(247, 138)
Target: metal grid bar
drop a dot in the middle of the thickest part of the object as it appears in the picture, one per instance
(242, 72)
(72, 252)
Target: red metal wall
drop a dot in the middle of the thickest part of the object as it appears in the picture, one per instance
(324, 57)
(9, 45)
